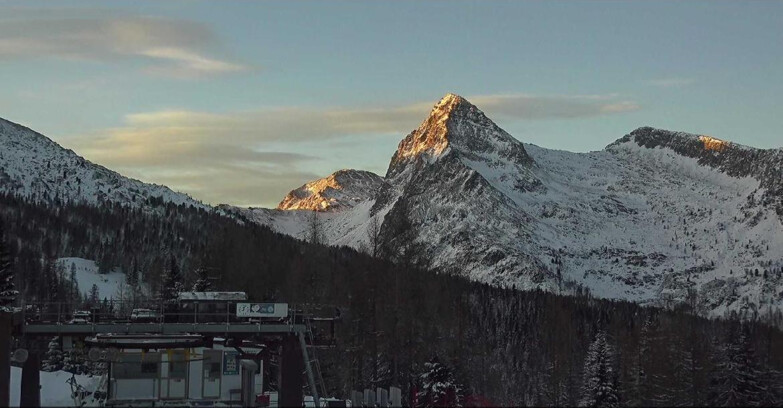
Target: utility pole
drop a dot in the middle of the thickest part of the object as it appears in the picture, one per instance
(6, 321)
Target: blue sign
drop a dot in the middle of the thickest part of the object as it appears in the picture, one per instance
(230, 363)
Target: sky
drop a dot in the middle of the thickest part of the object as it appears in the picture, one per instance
(241, 102)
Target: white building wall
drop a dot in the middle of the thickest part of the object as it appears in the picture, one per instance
(193, 387)
(195, 373)
(141, 389)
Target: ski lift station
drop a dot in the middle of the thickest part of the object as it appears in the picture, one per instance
(205, 349)
(181, 374)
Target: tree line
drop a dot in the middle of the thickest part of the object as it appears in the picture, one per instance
(441, 338)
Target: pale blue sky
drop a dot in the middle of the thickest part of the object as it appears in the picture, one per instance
(240, 102)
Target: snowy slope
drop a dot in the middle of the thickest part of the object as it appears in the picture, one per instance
(657, 217)
(86, 271)
(31, 165)
(343, 189)
(335, 227)
(55, 391)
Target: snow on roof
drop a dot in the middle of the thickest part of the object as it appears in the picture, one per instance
(212, 296)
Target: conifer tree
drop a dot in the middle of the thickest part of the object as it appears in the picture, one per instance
(54, 356)
(132, 276)
(75, 360)
(172, 282)
(7, 286)
(736, 380)
(94, 297)
(202, 283)
(599, 385)
(438, 386)
(75, 294)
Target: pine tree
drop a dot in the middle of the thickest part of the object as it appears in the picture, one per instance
(202, 283)
(51, 287)
(314, 229)
(172, 282)
(94, 297)
(438, 386)
(7, 286)
(54, 356)
(599, 385)
(687, 371)
(75, 360)
(132, 276)
(75, 295)
(736, 380)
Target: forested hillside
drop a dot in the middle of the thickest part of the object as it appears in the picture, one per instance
(408, 327)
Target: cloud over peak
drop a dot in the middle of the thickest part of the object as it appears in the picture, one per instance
(255, 157)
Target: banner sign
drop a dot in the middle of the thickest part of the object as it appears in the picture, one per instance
(230, 363)
(262, 309)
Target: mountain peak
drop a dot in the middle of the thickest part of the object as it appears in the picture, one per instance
(341, 189)
(455, 124)
(432, 136)
(449, 102)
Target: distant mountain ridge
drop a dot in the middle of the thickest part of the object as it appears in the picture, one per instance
(34, 166)
(657, 217)
(764, 165)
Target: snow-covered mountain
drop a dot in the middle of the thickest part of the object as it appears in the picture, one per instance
(341, 190)
(33, 166)
(341, 202)
(656, 217)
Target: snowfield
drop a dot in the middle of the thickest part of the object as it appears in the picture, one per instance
(109, 284)
(55, 390)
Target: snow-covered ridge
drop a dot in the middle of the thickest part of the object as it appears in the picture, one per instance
(658, 217)
(764, 165)
(341, 190)
(33, 166)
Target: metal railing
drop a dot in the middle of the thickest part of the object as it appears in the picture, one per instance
(162, 312)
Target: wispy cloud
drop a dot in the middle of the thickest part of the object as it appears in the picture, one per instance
(236, 157)
(670, 82)
(523, 106)
(175, 48)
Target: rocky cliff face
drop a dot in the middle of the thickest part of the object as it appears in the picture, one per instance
(339, 191)
(455, 127)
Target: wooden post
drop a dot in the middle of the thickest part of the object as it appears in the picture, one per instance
(5, 359)
(31, 381)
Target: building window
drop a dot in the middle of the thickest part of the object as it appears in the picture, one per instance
(178, 366)
(212, 364)
(136, 366)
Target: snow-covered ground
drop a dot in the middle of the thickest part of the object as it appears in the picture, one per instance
(55, 390)
(109, 284)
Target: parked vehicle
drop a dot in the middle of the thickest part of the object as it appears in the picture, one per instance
(144, 316)
(81, 317)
